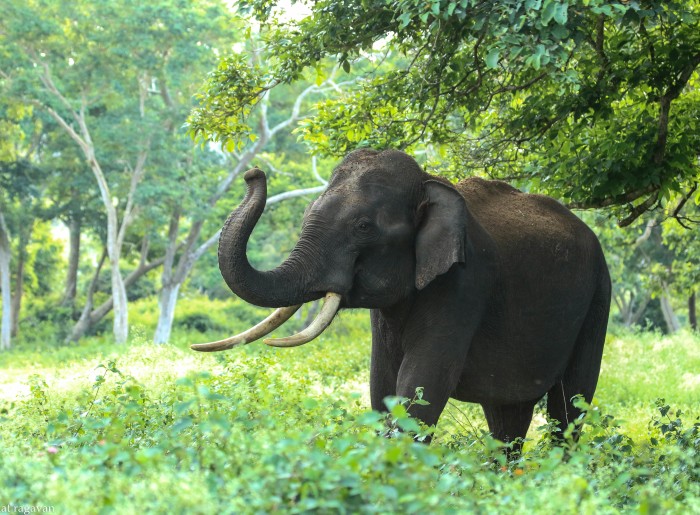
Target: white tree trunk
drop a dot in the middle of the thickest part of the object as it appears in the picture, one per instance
(80, 133)
(6, 319)
(120, 307)
(669, 316)
(166, 304)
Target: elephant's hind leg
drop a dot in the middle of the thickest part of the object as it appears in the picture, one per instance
(581, 374)
(509, 422)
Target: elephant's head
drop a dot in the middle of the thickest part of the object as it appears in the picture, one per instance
(382, 230)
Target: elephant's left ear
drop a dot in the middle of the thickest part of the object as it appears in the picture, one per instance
(441, 240)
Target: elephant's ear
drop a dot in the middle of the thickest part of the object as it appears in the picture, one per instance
(441, 240)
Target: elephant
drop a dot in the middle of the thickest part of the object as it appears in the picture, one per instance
(477, 291)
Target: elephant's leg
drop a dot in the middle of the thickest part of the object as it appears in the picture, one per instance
(386, 359)
(509, 422)
(435, 337)
(436, 340)
(581, 374)
(438, 381)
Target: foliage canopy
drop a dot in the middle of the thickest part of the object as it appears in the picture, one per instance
(573, 97)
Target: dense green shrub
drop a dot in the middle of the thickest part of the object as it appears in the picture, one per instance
(102, 428)
(123, 445)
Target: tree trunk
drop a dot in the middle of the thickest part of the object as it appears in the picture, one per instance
(170, 285)
(84, 322)
(692, 315)
(69, 293)
(641, 308)
(19, 291)
(90, 316)
(166, 304)
(624, 306)
(25, 236)
(121, 306)
(6, 319)
(667, 310)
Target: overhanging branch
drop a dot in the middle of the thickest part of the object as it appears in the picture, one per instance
(613, 201)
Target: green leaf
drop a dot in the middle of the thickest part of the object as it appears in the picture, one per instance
(408, 424)
(560, 32)
(548, 12)
(561, 14)
(492, 58)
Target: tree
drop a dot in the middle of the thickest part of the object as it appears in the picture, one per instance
(76, 64)
(6, 318)
(176, 268)
(20, 205)
(681, 239)
(592, 101)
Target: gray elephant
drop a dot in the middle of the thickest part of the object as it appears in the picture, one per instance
(477, 291)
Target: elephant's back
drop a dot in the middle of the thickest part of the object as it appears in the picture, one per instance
(547, 262)
(520, 221)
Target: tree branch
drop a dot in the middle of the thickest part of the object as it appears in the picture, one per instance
(613, 201)
(47, 80)
(134, 276)
(294, 193)
(681, 204)
(647, 232)
(671, 94)
(639, 210)
(136, 176)
(64, 124)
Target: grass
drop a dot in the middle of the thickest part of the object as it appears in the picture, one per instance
(99, 428)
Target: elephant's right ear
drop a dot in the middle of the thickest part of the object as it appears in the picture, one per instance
(441, 239)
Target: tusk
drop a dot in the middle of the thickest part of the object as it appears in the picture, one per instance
(330, 307)
(276, 319)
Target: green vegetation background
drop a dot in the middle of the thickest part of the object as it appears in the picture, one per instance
(101, 428)
(94, 427)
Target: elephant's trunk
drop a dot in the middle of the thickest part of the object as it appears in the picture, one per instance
(282, 286)
(286, 287)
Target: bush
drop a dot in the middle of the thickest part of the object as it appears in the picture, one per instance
(257, 430)
(221, 435)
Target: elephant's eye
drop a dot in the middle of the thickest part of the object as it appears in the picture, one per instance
(364, 230)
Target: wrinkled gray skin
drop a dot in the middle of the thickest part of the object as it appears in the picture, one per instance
(477, 291)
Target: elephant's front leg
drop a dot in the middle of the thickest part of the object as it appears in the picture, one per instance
(386, 357)
(436, 340)
(438, 374)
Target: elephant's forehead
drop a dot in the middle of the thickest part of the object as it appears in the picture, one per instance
(369, 178)
(361, 199)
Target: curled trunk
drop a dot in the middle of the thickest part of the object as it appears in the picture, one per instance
(282, 286)
(286, 287)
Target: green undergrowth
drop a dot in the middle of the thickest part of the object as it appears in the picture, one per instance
(96, 428)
